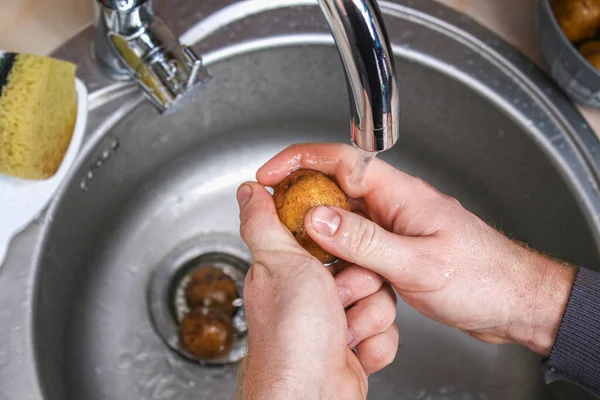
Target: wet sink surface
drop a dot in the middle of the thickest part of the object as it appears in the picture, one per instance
(164, 181)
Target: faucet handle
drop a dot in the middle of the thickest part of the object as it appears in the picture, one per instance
(166, 70)
(176, 71)
(151, 54)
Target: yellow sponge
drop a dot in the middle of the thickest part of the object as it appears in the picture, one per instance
(38, 109)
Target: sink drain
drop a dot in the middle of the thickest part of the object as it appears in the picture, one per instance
(166, 295)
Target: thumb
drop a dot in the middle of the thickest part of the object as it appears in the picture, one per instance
(358, 240)
(271, 243)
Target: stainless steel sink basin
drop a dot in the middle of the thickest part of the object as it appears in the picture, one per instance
(479, 121)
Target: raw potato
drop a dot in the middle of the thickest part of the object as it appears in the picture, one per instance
(213, 288)
(579, 19)
(591, 51)
(297, 194)
(206, 333)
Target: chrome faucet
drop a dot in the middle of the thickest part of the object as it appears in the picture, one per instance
(133, 43)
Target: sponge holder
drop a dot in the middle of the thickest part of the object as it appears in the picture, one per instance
(23, 201)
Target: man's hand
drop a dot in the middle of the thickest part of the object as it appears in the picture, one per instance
(299, 334)
(443, 261)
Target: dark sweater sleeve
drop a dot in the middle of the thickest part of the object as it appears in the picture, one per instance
(575, 355)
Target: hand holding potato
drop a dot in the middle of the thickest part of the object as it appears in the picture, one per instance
(441, 259)
(299, 333)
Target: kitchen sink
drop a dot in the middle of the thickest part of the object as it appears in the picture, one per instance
(479, 121)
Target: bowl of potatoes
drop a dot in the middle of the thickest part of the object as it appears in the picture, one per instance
(569, 32)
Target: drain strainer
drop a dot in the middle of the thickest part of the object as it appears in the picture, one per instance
(166, 296)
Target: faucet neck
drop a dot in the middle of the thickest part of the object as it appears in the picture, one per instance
(362, 41)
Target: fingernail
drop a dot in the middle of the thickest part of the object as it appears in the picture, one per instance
(351, 336)
(326, 220)
(244, 194)
(344, 294)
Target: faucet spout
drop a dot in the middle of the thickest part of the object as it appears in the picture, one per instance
(363, 44)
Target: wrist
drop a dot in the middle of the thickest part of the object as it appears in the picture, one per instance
(258, 380)
(541, 310)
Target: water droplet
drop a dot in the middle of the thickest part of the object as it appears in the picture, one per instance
(105, 155)
(125, 360)
(99, 163)
(446, 390)
(115, 144)
(98, 371)
(84, 186)
(90, 175)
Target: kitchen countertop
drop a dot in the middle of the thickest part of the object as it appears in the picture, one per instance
(39, 27)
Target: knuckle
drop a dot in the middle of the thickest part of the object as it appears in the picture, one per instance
(455, 215)
(421, 185)
(249, 225)
(365, 240)
(380, 355)
(377, 318)
(453, 201)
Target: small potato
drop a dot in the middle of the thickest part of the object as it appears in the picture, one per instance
(213, 288)
(579, 19)
(206, 333)
(591, 51)
(299, 193)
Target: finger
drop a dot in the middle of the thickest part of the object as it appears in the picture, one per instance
(363, 242)
(356, 283)
(371, 316)
(379, 351)
(337, 160)
(399, 199)
(262, 230)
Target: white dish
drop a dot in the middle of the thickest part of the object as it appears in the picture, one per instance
(22, 201)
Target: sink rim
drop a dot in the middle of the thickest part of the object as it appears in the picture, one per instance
(563, 111)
